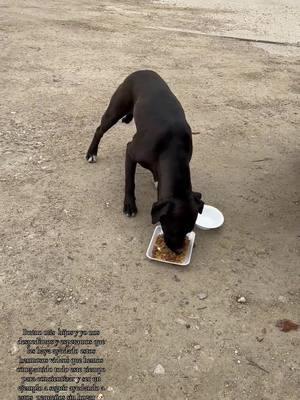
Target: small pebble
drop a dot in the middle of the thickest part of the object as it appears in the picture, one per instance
(241, 300)
(202, 296)
(159, 370)
(197, 347)
(59, 300)
(282, 299)
(180, 321)
(14, 349)
(110, 389)
(100, 396)
(292, 367)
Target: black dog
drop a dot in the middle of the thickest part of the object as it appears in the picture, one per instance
(162, 144)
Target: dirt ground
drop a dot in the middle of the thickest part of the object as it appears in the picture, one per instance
(70, 258)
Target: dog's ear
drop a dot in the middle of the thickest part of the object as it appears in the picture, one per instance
(199, 203)
(159, 209)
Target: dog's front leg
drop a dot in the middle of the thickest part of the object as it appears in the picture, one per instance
(130, 208)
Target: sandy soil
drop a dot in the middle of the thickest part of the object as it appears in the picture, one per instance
(255, 19)
(63, 235)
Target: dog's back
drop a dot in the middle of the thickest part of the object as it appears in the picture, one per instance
(154, 104)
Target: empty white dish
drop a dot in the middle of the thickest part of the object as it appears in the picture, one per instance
(211, 218)
(158, 231)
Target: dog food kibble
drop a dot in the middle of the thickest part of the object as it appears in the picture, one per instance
(162, 252)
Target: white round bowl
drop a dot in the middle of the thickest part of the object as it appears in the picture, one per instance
(211, 218)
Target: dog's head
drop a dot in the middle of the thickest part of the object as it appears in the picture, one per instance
(177, 218)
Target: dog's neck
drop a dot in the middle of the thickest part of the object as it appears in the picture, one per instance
(174, 178)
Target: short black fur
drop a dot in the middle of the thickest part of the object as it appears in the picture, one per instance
(162, 144)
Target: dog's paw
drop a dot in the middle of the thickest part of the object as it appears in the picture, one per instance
(91, 158)
(129, 208)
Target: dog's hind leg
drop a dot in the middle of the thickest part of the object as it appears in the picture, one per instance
(155, 179)
(120, 104)
(128, 118)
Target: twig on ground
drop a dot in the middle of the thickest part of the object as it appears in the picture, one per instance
(263, 159)
(254, 364)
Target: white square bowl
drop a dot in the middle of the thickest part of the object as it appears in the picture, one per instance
(158, 231)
